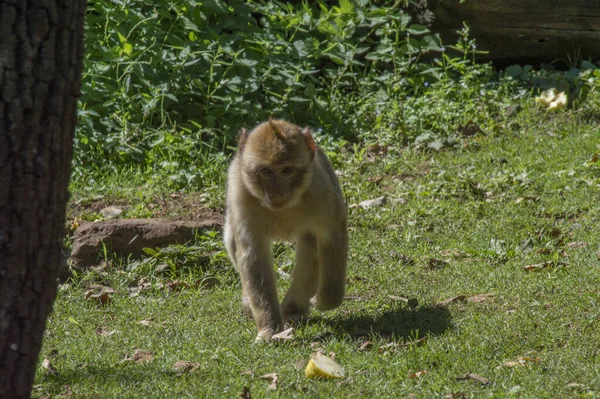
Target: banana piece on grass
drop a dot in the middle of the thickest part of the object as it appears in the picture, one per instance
(553, 99)
(321, 366)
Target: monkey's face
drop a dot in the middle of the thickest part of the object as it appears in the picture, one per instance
(280, 186)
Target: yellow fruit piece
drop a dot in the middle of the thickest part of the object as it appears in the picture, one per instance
(560, 101)
(547, 97)
(321, 366)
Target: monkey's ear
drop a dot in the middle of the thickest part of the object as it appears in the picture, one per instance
(244, 133)
(310, 141)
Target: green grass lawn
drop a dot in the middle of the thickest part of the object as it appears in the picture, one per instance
(524, 195)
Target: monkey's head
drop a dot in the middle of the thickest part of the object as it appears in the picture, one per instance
(276, 160)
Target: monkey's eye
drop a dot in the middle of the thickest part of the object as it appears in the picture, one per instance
(265, 171)
(287, 170)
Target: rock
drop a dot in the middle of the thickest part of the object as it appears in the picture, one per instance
(111, 212)
(129, 236)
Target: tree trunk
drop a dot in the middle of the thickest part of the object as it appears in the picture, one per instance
(41, 50)
(524, 30)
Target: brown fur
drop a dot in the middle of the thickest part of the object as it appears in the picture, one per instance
(282, 187)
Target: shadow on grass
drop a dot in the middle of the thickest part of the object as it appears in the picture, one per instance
(399, 323)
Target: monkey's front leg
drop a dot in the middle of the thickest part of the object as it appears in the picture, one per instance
(255, 266)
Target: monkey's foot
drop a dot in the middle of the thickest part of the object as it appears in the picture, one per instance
(293, 313)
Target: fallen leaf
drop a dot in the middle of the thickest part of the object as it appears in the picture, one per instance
(272, 378)
(377, 149)
(104, 332)
(111, 212)
(375, 179)
(177, 285)
(387, 347)
(245, 394)
(577, 244)
(469, 129)
(521, 361)
(146, 322)
(577, 386)
(48, 367)
(418, 374)
(300, 364)
(474, 377)
(285, 335)
(446, 302)
(365, 346)
(527, 198)
(455, 395)
(380, 201)
(161, 267)
(184, 366)
(480, 297)
(99, 293)
(140, 356)
(437, 264)
(208, 282)
(544, 265)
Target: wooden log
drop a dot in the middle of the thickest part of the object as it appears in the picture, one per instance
(524, 30)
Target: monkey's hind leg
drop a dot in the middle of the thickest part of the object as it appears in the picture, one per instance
(333, 256)
(296, 303)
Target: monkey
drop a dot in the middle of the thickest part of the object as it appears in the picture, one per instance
(281, 186)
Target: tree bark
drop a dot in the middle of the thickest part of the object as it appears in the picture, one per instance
(41, 50)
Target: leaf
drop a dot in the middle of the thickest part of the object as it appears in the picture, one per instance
(480, 297)
(514, 71)
(285, 335)
(365, 346)
(543, 265)
(437, 264)
(186, 367)
(377, 202)
(48, 367)
(577, 244)
(521, 361)
(416, 375)
(104, 332)
(273, 378)
(127, 48)
(245, 394)
(146, 322)
(140, 356)
(446, 302)
(474, 377)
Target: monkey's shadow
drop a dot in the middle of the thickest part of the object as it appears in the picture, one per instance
(397, 323)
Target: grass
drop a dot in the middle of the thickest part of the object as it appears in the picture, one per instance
(525, 194)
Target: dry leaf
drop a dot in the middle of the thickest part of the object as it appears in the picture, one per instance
(527, 198)
(377, 149)
(48, 367)
(177, 285)
(245, 394)
(99, 293)
(111, 212)
(543, 265)
(387, 347)
(380, 201)
(437, 264)
(140, 356)
(272, 378)
(455, 395)
(521, 361)
(183, 366)
(469, 130)
(474, 377)
(418, 374)
(146, 322)
(577, 244)
(208, 282)
(446, 302)
(104, 332)
(480, 297)
(375, 179)
(365, 346)
(285, 335)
